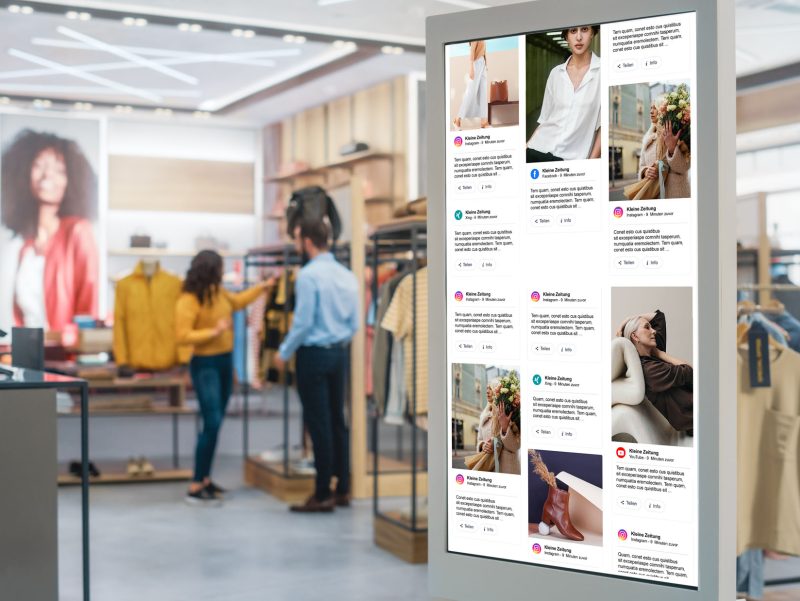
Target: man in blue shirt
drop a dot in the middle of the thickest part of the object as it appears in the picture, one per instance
(326, 317)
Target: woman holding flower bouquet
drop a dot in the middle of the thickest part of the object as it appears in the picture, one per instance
(498, 429)
(664, 160)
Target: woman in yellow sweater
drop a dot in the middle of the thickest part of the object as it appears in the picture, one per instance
(203, 319)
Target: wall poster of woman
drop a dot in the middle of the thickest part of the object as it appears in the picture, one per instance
(49, 210)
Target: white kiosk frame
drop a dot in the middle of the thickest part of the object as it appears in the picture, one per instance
(454, 576)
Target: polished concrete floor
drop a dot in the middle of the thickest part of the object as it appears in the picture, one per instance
(148, 545)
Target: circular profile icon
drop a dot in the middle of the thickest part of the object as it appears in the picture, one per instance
(537, 379)
(621, 452)
(537, 548)
(618, 212)
(459, 296)
(458, 141)
(459, 215)
(459, 479)
(535, 296)
(622, 535)
(534, 174)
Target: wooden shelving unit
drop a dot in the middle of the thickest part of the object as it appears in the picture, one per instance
(345, 163)
(166, 253)
(161, 475)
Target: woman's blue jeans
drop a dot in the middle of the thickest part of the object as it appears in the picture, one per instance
(212, 378)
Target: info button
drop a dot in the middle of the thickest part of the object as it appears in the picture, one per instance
(568, 350)
(568, 435)
(653, 62)
(653, 262)
(488, 347)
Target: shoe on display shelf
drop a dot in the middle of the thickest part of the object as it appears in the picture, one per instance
(145, 467)
(134, 468)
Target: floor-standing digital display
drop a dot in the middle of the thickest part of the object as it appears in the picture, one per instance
(571, 274)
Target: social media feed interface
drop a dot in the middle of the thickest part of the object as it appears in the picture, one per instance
(571, 212)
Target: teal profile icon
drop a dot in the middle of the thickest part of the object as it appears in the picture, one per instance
(537, 379)
(459, 215)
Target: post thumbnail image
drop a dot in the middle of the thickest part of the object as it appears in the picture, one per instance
(484, 83)
(565, 496)
(650, 141)
(486, 418)
(562, 71)
(652, 380)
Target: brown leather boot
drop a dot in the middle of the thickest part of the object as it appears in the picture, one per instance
(556, 511)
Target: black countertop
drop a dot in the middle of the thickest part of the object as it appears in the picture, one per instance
(17, 378)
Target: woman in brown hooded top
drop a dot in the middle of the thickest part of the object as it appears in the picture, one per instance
(668, 381)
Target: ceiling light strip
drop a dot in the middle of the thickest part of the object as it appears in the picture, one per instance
(125, 54)
(66, 69)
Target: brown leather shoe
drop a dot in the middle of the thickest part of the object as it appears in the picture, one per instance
(556, 511)
(314, 505)
(342, 500)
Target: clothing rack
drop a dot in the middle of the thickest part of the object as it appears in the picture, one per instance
(403, 241)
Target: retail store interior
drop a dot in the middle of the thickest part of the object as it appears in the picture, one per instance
(196, 121)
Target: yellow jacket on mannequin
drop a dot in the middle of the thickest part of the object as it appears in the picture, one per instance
(144, 320)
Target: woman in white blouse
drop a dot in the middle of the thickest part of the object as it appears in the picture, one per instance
(569, 122)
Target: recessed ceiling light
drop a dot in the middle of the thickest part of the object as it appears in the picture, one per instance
(288, 38)
(5, 100)
(161, 112)
(123, 108)
(134, 21)
(74, 15)
(554, 34)
(294, 39)
(392, 50)
(190, 27)
(345, 45)
(243, 33)
(42, 103)
(299, 39)
(83, 106)
(201, 114)
(16, 8)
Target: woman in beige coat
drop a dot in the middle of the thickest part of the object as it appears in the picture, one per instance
(509, 439)
(661, 142)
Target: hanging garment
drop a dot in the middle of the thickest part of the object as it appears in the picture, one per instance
(399, 320)
(788, 322)
(277, 324)
(144, 320)
(475, 102)
(768, 480)
(396, 394)
(382, 345)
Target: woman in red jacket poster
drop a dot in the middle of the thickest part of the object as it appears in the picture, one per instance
(48, 203)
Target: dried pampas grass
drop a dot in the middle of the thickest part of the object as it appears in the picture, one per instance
(540, 468)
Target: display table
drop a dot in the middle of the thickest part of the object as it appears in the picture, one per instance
(28, 438)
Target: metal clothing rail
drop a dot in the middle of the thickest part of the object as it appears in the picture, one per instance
(408, 239)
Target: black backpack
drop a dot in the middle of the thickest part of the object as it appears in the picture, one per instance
(312, 204)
